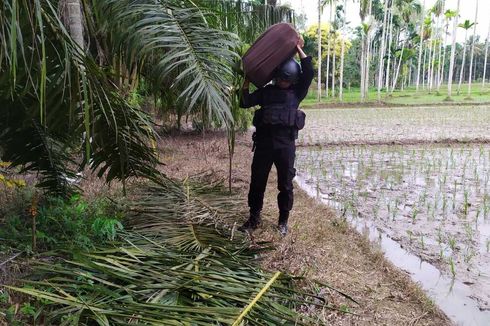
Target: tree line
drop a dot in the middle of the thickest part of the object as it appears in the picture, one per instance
(399, 44)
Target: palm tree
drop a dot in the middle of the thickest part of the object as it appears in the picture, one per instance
(421, 46)
(389, 51)
(437, 11)
(342, 51)
(61, 99)
(466, 26)
(321, 5)
(408, 11)
(453, 54)
(319, 78)
(486, 58)
(328, 49)
(472, 49)
(448, 15)
(364, 12)
(383, 50)
(441, 47)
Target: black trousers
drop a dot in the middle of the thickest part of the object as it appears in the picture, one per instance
(283, 159)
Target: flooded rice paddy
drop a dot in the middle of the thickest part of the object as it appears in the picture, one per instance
(425, 203)
(396, 125)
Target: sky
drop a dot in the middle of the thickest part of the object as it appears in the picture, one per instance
(467, 11)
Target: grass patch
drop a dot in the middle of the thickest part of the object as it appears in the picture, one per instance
(408, 96)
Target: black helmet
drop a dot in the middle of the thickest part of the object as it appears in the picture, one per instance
(289, 70)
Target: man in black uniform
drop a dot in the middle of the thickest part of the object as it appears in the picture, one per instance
(277, 123)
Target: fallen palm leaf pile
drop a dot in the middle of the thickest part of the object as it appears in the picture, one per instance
(167, 270)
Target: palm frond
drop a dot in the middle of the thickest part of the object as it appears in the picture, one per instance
(172, 273)
(176, 43)
(49, 87)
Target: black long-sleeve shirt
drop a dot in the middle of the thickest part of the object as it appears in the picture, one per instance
(279, 136)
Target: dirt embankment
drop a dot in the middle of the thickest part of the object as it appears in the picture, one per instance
(319, 245)
(382, 104)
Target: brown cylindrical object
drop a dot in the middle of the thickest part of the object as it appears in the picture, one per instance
(273, 47)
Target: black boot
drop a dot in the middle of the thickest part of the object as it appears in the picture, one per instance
(252, 223)
(283, 222)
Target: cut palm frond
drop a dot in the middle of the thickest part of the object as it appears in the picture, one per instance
(170, 273)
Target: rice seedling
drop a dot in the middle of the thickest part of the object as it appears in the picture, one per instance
(414, 215)
(452, 243)
(465, 204)
(425, 184)
(452, 267)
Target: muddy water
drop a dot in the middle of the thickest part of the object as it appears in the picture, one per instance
(396, 125)
(428, 207)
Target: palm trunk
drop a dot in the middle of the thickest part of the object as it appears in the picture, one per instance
(368, 59)
(463, 62)
(398, 69)
(368, 56)
(328, 50)
(319, 78)
(453, 54)
(410, 73)
(439, 67)
(341, 71)
(421, 46)
(333, 70)
(486, 59)
(423, 68)
(342, 55)
(390, 40)
(362, 68)
(472, 50)
(327, 73)
(443, 59)
(429, 64)
(432, 65)
(382, 52)
(73, 11)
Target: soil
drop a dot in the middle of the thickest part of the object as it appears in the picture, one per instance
(320, 245)
(398, 125)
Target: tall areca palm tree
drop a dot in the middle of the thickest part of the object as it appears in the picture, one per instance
(321, 6)
(472, 50)
(329, 45)
(466, 26)
(319, 77)
(390, 41)
(453, 54)
(448, 15)
(442, 40)
(437, 11)
(365, 7)
(342, 51)
(486, 57)
(387, 6)
(421, 46)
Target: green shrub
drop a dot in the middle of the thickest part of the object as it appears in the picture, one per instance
(73, 224)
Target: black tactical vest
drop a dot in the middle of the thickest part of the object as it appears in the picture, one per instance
(280, 108)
